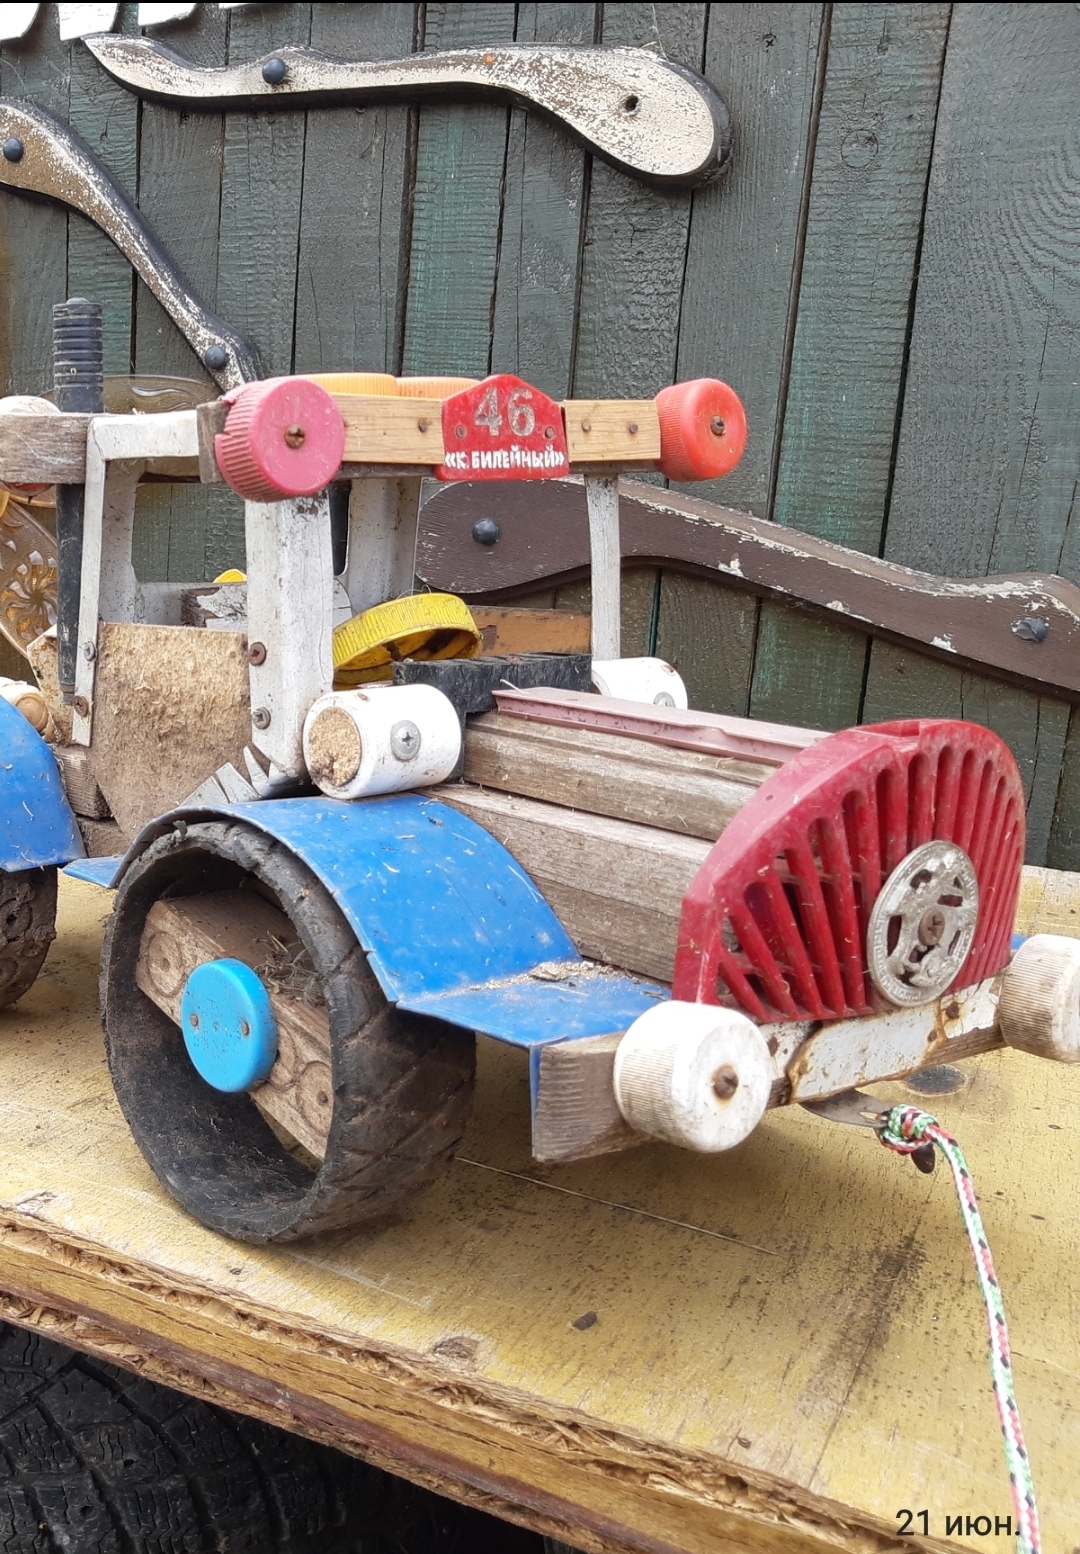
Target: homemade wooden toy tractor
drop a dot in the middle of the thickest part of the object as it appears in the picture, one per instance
(292, 980)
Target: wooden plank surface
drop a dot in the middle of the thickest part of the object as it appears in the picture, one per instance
(358, 325)
(863, 225)
(988, 446)
(768, 1352)
(454, 247)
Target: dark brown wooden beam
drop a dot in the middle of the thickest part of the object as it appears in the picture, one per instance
(993, 624)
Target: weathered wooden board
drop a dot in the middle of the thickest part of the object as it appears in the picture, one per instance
(863, 222)
(454, 246)
(155, 687)
(545, 192)
(617, 886)
(989, 443)
(770, 1351)
(606, 774)
(184, 534)
(357, 325)
(33, 235)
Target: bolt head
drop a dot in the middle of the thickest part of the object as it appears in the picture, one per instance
(725, 1082)
(716, 426)
(13, 149)
(932, 927)
(257, 653)
(215, 358)
(89, 652)
(294, 436)
(274, 71)
(405, 740)
(485, 531)
(261, 717)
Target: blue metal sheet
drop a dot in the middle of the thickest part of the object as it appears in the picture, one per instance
(451, 923)
(36, 824)
(99, 871)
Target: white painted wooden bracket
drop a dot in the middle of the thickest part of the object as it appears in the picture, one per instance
(383, 523)
(290, 605)
(605, 549)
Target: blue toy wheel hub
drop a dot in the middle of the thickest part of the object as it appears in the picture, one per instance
(228, 1024)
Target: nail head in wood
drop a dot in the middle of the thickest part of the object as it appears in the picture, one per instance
(257, 653)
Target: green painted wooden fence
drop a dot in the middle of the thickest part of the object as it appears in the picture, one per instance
(890, 276)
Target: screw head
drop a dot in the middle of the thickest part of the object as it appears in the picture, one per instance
(294, 436)
(193, 1020)
(633, 428)
(549, 432)
(405, 740)
(663, 699)
(932, 927)
(81, 706)
(725, 1082)
(485, 531)
(89, 652)
(215, 357)
(245, 1028)
(274, 71)
(13, 149)
(459, 431)
(716, 426)
(257, 653)
(1032, 629)
(261, 717)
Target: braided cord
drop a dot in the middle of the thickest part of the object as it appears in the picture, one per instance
(905, 1129)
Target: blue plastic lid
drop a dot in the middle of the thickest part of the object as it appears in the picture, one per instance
(229, 1027)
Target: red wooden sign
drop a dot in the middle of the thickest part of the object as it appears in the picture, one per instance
(502, 429)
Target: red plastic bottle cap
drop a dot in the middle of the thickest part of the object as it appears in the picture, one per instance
(702, 429)
(284, 437)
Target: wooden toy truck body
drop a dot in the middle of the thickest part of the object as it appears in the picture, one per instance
(515, 974)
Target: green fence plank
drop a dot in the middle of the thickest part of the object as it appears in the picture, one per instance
(180, 156)
(454, 253)
(107, 118)
(539, 259)
(180, 165)
(707, 632)
(350, 288)
(33, 235)
(638, 607)
(261, 185)
(872, 152)
(1063, 851)
(907, 686)
(742, 261)
(990, 438)
(635, 241)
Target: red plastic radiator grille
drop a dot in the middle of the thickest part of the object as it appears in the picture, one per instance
(775, 920)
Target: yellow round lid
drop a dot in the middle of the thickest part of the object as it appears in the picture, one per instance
(424, 626)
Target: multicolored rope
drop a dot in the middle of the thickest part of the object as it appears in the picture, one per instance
(905, 1129)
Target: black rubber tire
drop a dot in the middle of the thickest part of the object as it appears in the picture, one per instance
(27, 928)
(96, 1461)
(402, 1083)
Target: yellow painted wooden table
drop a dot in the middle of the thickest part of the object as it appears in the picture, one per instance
(773, 1350)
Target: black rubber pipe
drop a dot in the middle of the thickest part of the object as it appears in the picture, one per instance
(77, 386)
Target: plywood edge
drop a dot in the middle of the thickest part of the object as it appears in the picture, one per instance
(561, 1471)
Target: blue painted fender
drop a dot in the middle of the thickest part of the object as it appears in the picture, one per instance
(451, 923)
(36, 824)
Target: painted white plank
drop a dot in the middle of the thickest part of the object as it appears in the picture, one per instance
(79, 21)
(602, 499)
(290, 612)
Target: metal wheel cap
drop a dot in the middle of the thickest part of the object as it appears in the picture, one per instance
(922, 924)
